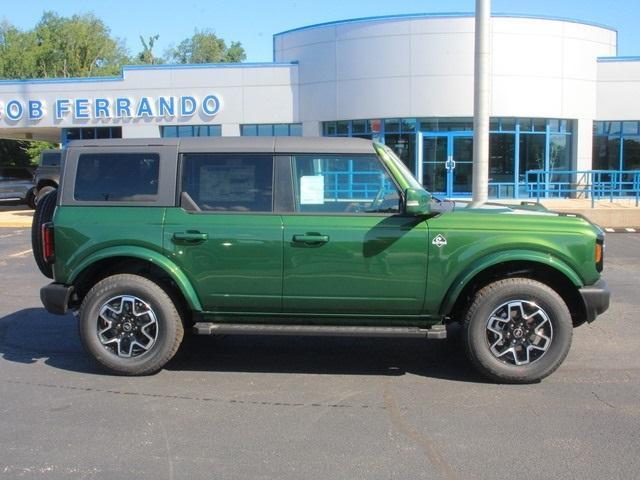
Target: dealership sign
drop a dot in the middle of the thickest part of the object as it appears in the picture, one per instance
(15, 110)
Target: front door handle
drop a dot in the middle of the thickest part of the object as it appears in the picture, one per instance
(311, 239)
(190, 237)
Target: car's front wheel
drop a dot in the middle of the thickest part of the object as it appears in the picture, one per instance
(517, 330)
(130, 325)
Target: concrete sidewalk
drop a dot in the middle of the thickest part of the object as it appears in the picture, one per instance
(621, 213)
(616, 214)
(15, 216)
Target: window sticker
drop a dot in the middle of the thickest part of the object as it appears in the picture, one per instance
(229, 183)
(312, 190)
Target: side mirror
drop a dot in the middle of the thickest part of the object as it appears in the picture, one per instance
(416, 201)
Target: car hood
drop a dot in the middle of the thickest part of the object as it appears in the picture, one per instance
(523, 208)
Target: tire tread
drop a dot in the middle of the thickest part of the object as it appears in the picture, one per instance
(117, 280)
(480, 299)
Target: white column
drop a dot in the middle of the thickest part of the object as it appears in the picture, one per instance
(230, 130)
(582, 143)
(311, 129)
(481, 102)
(140, 130)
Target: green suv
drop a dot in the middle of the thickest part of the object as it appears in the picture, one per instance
(307, 236)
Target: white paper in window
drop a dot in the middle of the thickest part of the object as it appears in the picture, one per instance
(312, 190)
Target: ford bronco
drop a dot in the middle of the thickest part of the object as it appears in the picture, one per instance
(147, 238)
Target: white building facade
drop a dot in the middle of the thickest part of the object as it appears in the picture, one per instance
(561, 99)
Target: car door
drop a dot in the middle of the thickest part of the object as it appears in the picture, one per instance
(224, 235)
(347, 247)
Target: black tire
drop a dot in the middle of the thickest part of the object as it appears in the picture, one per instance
(489, 304)
(168, 332)
(30, 199)
(43, 214)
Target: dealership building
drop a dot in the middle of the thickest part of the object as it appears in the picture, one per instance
(561, 97)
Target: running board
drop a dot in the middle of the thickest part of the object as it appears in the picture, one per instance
(438, 332)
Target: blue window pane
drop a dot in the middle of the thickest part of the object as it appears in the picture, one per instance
(554, 125)
(88, 133)
(104, 132)
(613, 128)
(566, 126)
(71, 134)
(281, 130)
(508, 124)
(392, 125)
(343, 128)
(539, 125)
(358, 126)
(215, 130)
(330, 128)
(265, 130)
(248, 130)
(201, 131)
(629, 128)
(429, 124)
(525, 124)
(185, 131)
(408, 125)
(296, 130)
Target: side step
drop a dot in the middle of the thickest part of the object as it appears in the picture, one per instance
(438, 332)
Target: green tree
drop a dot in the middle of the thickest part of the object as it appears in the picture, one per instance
(35, 147)
(14, 152)
(146, 56)
(205, 47)
(17, 52)
(77, 46)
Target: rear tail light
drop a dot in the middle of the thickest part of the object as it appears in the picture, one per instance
(48, 245)
(599, 254)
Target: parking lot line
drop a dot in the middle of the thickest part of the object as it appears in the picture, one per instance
(19, 254)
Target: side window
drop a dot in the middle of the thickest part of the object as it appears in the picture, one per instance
(229, 182)
(50, 159)
(16, 174)
(343, 184)
(113, 177)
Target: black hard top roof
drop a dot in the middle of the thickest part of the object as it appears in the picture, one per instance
(241, 144)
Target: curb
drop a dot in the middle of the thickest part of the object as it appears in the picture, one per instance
(622, 230)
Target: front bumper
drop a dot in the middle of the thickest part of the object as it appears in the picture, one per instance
(55, 297)
(596, 299)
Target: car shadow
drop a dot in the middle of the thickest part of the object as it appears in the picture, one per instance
(33, 335)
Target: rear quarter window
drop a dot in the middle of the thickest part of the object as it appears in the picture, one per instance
(122, 177)
(229, 182)
(51, 159)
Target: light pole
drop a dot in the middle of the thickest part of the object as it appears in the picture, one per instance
(481, 102)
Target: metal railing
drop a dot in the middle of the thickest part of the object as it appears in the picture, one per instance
(359, 185)
(587, 184)
(539, 184)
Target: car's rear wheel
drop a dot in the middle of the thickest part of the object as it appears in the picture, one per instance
(43, 192)
(130, 325)
(517, 330)
(43, 214)
(30, 198)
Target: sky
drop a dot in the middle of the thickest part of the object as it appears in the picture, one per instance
(253, 22)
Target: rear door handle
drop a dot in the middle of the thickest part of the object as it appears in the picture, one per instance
(311, 238)
(190, 237)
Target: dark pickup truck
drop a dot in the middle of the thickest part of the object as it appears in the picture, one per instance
(47, 177)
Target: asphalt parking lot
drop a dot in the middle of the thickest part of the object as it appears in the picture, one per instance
(313, 408)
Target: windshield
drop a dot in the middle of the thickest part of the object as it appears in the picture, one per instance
(391, 157)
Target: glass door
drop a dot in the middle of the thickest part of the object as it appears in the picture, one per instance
(461, 170)
(435, 161)
(446, 166)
